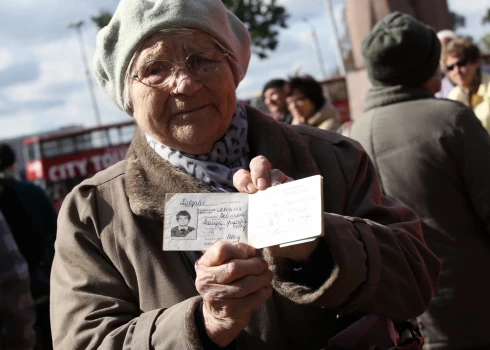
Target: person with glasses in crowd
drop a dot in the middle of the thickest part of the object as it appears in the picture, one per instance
(308, 105)
(445, 37)
(463, 65)
(174, 65)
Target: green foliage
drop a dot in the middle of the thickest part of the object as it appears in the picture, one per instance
(485, 39)
(458, 20)
(261, 17)
(486, 19)
(102, 19)
(485, 43)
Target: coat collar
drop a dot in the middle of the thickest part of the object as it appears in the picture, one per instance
(380, 96)
(149, 177)
(323, 114)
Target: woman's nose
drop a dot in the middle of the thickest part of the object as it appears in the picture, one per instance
(457, 69)
(184, 82)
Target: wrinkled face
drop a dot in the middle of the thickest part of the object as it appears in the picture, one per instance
(299, 105)
(183, 220)
(275, 100)
(190, 112)
(462, 72)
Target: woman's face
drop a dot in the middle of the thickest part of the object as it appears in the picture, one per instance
(300, 106)
(190, 112)
(461, 71)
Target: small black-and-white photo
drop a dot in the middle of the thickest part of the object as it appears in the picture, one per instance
(185, 224)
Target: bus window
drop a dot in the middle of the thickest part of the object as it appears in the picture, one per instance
(99, 139)
(114, 136)
(82, 142)
(127, 133)
(67, 146)
(50, 149)
(32, 151)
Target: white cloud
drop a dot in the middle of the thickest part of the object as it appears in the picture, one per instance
(467, 7)
(6, 58)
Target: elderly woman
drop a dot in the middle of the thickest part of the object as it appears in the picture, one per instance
(174, 65)
(463, 65)
(308, 105)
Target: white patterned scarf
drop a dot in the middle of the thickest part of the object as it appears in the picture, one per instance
(216, 168)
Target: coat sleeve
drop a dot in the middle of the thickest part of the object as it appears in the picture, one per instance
(91, 305)
(377, 260)
(472, 151)
(17, 311)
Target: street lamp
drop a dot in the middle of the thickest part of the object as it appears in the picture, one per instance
(77, 25)
(317, 49)
(338, 50)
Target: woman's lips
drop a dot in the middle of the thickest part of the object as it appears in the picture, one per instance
(188, 111)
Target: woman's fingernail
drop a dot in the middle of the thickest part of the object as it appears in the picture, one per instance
(262, 182)
(250, 187)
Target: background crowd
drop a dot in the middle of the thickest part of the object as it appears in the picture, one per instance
(464, 78)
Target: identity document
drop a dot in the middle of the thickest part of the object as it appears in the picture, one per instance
(286, 214)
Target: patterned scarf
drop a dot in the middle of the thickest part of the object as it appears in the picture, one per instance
(216, 168)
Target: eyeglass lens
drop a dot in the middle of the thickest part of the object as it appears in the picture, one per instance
(460, 64)
(159, 72)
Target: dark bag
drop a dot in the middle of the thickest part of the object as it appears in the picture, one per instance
(374, 332)
(28, 239)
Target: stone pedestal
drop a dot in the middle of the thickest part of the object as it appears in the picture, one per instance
(357, 86)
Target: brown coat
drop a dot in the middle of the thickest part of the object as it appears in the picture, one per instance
(114, 288)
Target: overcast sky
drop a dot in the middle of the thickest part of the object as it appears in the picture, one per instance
(42, 81)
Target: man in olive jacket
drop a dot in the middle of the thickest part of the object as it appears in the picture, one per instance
(433, 156)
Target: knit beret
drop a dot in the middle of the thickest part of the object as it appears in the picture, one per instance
(401, 51)
(136, 20)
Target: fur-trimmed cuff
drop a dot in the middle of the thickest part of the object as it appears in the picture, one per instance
(340, 261)
(191, 331)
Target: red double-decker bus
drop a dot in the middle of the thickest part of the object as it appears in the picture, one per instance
(58, 162)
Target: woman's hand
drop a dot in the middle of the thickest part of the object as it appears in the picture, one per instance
(261, 177)
(232, 282)
(298, 120)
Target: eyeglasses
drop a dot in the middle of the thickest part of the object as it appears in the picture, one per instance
(295, 100)
(460, 63)
(159, 72)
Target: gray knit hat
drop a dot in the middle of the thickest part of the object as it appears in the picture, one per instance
(401, 51)
(136, 20)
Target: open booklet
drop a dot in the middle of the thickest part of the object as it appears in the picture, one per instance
(286, 214)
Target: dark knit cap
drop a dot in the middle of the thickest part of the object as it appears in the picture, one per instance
(7, 156)
(401, 51)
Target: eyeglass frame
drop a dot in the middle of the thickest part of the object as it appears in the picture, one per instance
(136, 77)
(461, 63)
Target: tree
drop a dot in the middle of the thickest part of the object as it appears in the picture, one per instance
(485, 40)
(102, 19)
(458, 20)
(486, 19)
(262, 18)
